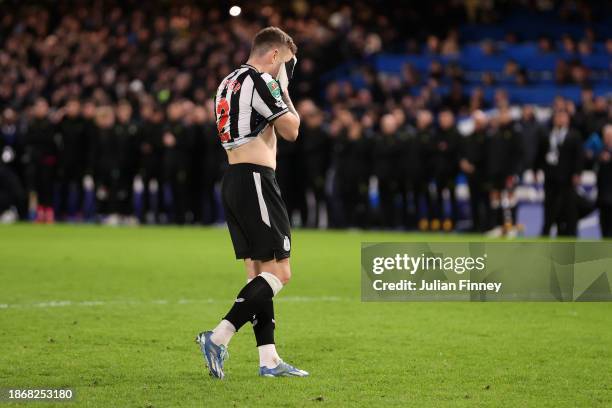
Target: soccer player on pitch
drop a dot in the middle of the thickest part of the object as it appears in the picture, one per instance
(251, 108)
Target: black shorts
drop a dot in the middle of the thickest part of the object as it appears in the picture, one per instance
(256, 215)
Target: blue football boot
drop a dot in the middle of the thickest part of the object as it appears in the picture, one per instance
(282, 370)
(214, 355)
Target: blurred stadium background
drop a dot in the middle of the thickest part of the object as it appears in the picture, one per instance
(477, 115)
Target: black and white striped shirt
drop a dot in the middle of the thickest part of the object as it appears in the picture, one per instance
(246, 102)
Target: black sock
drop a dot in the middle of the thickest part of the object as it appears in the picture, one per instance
(263, 324)
(250, 301)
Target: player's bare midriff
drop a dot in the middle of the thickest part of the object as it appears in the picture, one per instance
(261, 150)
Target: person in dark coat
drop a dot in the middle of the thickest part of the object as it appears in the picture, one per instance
(386, 159)
(290, 178)
(417, 162)
(560, 156)
(473, 163)
(12, 192)
(126, 132)
(502, 169)
(531, 132)
(40, 159)
(604, 183)
(105, 159)
(210, 161)
(176, 156)
(445, 166)
(72, 157)
(148, 151)
(314, 160)
(351, 157)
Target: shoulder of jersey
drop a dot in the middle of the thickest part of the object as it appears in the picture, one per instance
(266, 77)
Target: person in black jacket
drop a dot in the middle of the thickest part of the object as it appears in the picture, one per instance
(560, 156)
(417, 161)
(212, 164)
(88, 113)
(351, 165)
(72, 157)
(530, 131)
(105, 166)
(386, 158)
(148, 147)
(604, 183)
(126, 132)
(12, 193)
(176, 156)
(314, 141)
(40, 160)
(445, 166)
(473, 163)
(290, 178)
(503, 166)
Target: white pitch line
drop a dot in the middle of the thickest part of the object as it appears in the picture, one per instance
(133, 302)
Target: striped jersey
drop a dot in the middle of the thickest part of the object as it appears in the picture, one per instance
(246, 102)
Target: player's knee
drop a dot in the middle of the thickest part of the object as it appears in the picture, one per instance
(252, 268)
(285, 276)
(283, 271)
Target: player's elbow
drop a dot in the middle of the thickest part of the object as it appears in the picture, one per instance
(292, 134)
(288, 126)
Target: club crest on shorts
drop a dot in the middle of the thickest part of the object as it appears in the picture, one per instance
(286, 243)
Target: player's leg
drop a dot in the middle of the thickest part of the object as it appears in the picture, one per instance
(263, 322)
(270, 363)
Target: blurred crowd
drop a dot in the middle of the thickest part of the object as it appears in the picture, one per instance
(106, 114)
(412, 159)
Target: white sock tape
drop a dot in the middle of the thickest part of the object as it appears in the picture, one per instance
(273, 281)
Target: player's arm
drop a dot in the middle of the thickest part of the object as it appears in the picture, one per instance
(275, 106)
(287, 125)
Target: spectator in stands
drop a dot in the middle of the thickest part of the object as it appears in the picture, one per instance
(456, 100)
(604, 183)
(560, 156)
(155, 55)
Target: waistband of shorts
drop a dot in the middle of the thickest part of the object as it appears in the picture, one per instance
(251, 167)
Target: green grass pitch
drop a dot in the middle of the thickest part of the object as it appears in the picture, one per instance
(112, 313)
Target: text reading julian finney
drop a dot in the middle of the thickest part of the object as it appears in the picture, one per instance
(486, 271)
(423, 263)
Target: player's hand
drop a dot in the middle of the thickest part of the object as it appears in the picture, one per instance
(285, 73)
